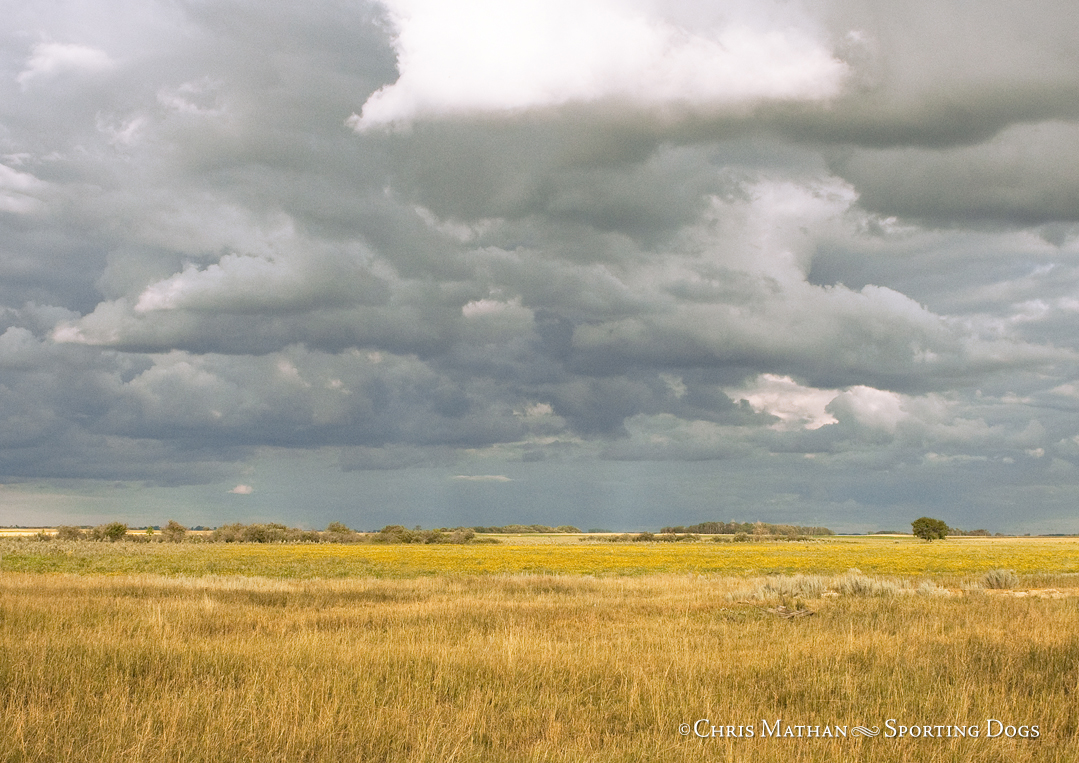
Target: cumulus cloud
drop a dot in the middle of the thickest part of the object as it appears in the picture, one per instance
(20, 192)
(475, 56)
(870, 407)
(740, 297)
(251, 283)
(50, 59)
(792, 404)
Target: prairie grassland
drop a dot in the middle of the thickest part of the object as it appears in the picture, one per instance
(958, 557)
(103, 669)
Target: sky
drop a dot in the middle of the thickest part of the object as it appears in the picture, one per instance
(612, 263)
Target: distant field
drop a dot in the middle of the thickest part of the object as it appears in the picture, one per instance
(875, 554)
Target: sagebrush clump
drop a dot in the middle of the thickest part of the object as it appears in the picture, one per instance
(999, 579)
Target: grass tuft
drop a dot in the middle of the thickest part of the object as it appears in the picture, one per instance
(999, 579)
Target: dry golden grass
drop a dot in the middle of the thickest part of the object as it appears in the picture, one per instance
(516, 668)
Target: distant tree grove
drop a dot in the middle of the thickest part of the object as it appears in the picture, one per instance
(518, 529)
(749, 528)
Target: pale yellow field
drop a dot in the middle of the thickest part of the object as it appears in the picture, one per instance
(535, 652)
(519, 668)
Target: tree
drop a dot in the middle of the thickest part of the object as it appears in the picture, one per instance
(67, 532)
(174, 532)
(111, 532)
(929, 529)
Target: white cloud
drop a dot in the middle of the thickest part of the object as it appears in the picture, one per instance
(494, 56)
(288, 371)
(482, 478)
(125, 132)
(296, 275)
(52, 58)
(456, 230)
(874, 408)
(18, 191)
(194, 98)
(796, 406)
(479, 307)
(959, 458)
(242, 490)
(109, 322)
(232, 277)
(1067, 390)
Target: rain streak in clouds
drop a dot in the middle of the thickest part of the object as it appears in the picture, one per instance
(616, 263)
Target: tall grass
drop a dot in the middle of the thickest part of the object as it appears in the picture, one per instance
(514, 668)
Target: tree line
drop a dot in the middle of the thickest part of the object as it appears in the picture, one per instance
(270, 532)
(749, 528)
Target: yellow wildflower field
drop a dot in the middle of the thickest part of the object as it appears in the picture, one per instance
(879, 555)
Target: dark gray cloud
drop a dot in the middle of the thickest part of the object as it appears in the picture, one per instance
(1018, 177)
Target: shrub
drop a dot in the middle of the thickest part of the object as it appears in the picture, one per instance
(228, 533)
(400, 534)
(114, 531)
(111, 532)
(394, 534)
(67, 532)
(338, 533)
(256, 534)
(798, 586)
(174, 532)
(782, 587)
(854, 583)
(999, 579)
(272, 532)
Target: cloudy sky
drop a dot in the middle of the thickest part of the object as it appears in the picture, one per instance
(614, 263)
